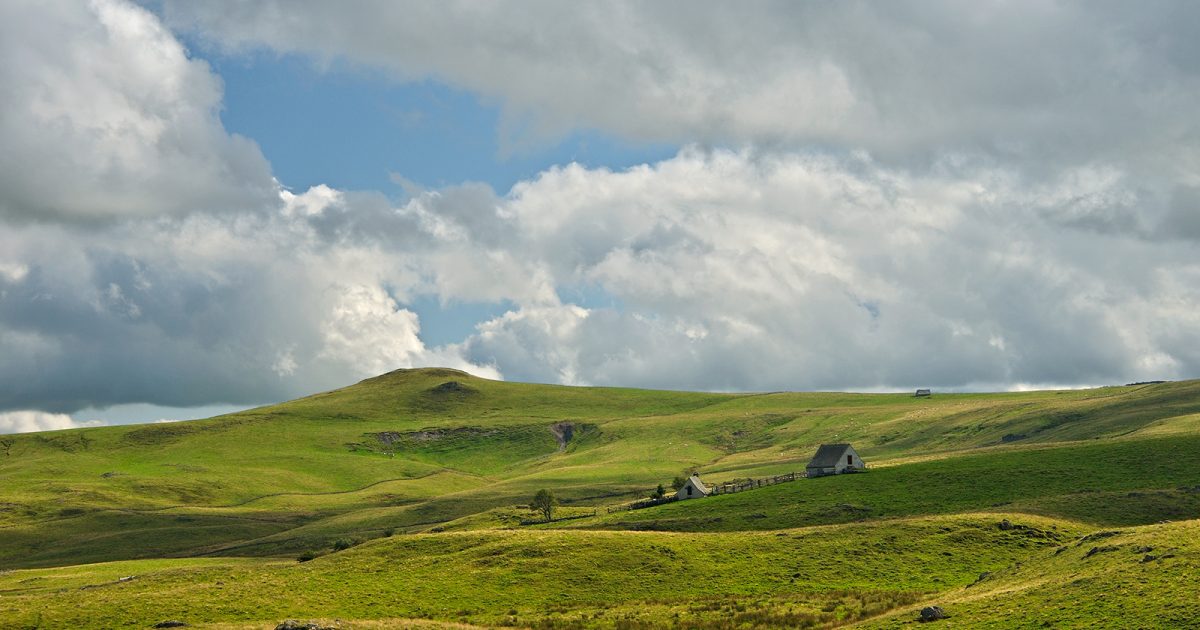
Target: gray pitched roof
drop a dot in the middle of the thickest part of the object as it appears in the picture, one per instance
(828, 455)
(695, 479)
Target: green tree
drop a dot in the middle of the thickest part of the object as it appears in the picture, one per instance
(660, 492)
(678, 482)
(544, 502)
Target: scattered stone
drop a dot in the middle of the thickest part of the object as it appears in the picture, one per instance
(1098, 536)
(1148, 558)
(1005, 525)
(110, 474)
(982, 576)
(928, 613)
(451, 387)
(171, 623)
(1143, 550)
(1095, 550)
(127, 578)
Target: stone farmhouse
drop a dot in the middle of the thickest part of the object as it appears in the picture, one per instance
(693, 489)
(834, 459)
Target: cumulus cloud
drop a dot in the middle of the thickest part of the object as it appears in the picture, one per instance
(148, 256)
(206, 309)
(719, 270)
(30, 421)
(887, 225)
(103, 115)
(1044, 83)
(367, 332)
(748, 271)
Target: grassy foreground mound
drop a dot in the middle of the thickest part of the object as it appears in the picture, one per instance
(1141, 577)
(789, 578)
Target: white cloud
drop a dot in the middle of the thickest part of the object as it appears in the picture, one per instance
(104, 116)
(715, 269)
(197, 280)
(311, 202)
(13, 272)
(1027, 81)
(366, 331)
(208, 309)
(30, 421)
(748, 271)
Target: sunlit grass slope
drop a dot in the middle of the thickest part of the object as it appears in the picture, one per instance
(209, 517)
(413, 449)
(1112, 482)
(1141, 577)
(602, 579)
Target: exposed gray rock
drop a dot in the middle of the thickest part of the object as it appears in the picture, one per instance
(170, 623)
(1104, 549)
(982, 576)
(932, 613)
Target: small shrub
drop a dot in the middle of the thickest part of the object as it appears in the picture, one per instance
(387, 533)
(306, 556)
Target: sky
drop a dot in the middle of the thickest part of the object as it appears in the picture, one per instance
(211, 206)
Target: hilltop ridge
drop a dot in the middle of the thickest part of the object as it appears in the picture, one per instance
(423, 451)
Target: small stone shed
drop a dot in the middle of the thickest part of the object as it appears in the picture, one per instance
(693, 489)
(922, 393)
(833, 459)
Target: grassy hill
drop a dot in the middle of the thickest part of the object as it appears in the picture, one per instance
(492, 577)
(235, 499)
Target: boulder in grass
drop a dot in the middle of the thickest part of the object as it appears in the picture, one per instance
(170, 623)
(932, 613)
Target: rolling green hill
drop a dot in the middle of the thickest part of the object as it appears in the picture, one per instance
(235, 499)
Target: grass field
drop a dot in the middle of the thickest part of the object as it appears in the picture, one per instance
(481, 576)
(429, 470)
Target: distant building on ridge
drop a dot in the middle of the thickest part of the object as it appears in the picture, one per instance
(833, 459)
(921, 393)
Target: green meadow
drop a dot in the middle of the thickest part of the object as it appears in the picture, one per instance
(406, 496)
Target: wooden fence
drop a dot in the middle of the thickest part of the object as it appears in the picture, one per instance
(750, 484)
(724, 488)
